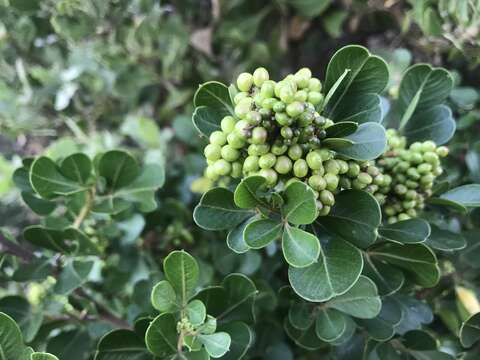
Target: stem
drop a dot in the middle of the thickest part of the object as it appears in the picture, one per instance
(85, 209)
(15, 249)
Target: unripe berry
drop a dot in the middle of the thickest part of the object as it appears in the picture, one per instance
(283, 165)
(358, 185)
(295, 108)
(236, 169)
(353, 169)
(314, 160)
(236, 141)
(260, 75)
(218, 138)
(286, 132)
(212, 152)
(250, 163)
(302, 77)
(228, 124)
(242, 109)
(424, 168)
(317, 182)
(283, 119)
(295, 152)
(345, 183)
(431, 158)
(268, 103)
(400, 189)
(442, 151)
(258, 99)
(403, 216)
(315, 97)
(259, 135)
(287, 94)
(325, 210)
(327, 198)
(270, 175)
(241, 128)
(278, 107)
(279, 148)
(416, 147)
(300, 168)
(314, 85)
(210, 173)
(253, 118)
(244, 81)
(332, 181)
(229, 153)
(365, 178)
(267, 89)
(332, 167)
(428, 146)
(222, 167)
(239, 97)
(301, 96)
(267, 161)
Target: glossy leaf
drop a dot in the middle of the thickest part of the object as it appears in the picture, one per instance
(300, 248)
(216, 344)
(299, 207)
(341, 129)
(369, 142)
(163, 296)
(337, 269)
(119, 168)
(409, 231)
(122, 345)
(242, 339)
(77, 167)
(217, 211)
(74, 275)
(161, 335)
(248, 193)
(445, 240)
(260, 233)
(465, 195)
(196, 312)
(330, 324)
(11, 342)
(470, 330)
(181, 270)
(356, 224)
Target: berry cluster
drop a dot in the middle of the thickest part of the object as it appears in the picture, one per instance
(410, 173)
(277, 133)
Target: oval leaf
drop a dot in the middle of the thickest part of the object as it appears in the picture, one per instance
(409, 231)
(181, 270)
(300, 248)
(369, 142)
(300, 206)
(260, 233)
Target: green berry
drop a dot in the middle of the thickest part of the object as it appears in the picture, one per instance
(392, 220)
(314, 160)
(295, 108)
(365, 178)
(403, 216)
(343, 166)
(212, 152)
(416, 147)
(286, 132)
(241, 110)
(353, 169)
(218, 138)
(315, 97)
(267, 161)
(431, 158)
(295, 152)
(400, 189)
(428, 146)
(228, 124)
(300, 168)
(270, 175)
(253, 118)
(332, 181)
(242, 128)
(210, 173)
(325, 210)
(260, 75)
(279, 148)
(287, 94)
(222, 167)
(244, 81)
(259, 135)
(332, 167)
(239, 97)
(314, 85)
(236, 169)
(279, 107)
(358, 185)
(317, 182)
(327, 198)
(424, 168)
(236, 141)
(229, 153)
(250, 163)
(267, 89)
(283, 165)
(301, 96)
(283, 119)
(442, 151)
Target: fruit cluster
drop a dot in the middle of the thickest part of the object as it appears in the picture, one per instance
(276, 132)
(409, 173)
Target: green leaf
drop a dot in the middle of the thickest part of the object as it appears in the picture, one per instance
(361, 300)
(38, 205)
(77, 167)
(74, 275)
(119, 168)
(330, 324)
(359, 108)
(248, 193)
(242, 340)
(300, 248)
(417, 259)
(70, 344)
(465, 195)
(212, 103)
(470, 331)
(163, 297)
(300, 315)
(47, 180)
(369, 142)
(341, 129)
(161, 335)
(368, 74)
(216, 344)
(43, 356)
(23, 314)
(409, 231)
(122, 345)
(300, 207)
(435, 124)
(11, 342)
(233, 301)
(196, 312)
(260, 233)
(235, 239)
(217, 211)
(445, 240)
(388, 278)
(357, 224)
(415, 313)
(337, 269)
(181, 270)
(337, 143)
(382, 327)
(422, 87)
(306, 339)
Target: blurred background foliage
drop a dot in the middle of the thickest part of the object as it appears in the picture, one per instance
(93, 75)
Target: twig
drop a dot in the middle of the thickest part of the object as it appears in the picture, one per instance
(85, 209)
